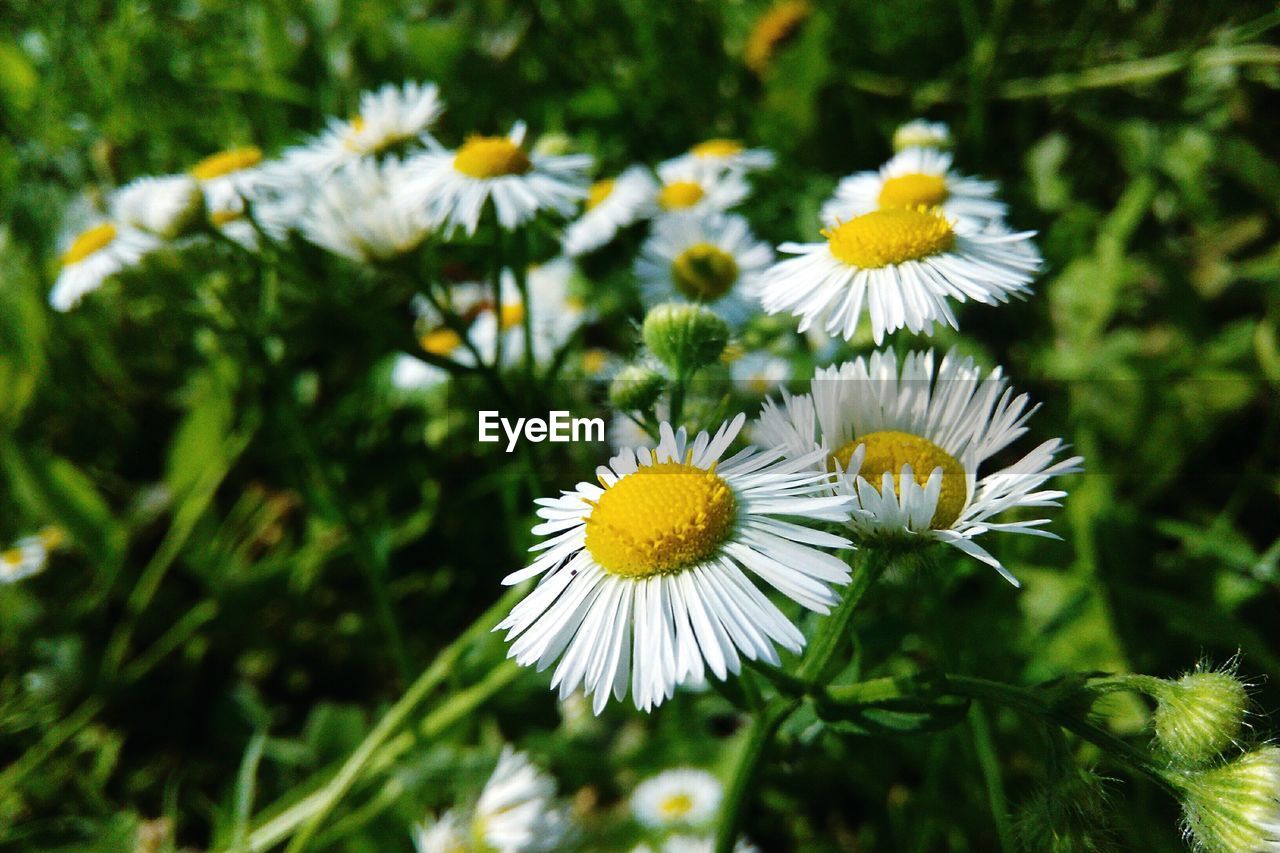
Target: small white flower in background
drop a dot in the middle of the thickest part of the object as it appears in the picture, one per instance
(387, 117)
(683, 796)
(694, 844)
(759, 372)
(410, 373)
(361, 213)
(919, 133)
(227, 178)
(554, 312)
(516, 812)
(93, 256)
(644, 577)
(690, 186)
(916, 178)
(29, 555)
(711, 258)
(167, 206)
(623, 432)
(730, 154)
(456, 185)
(905, 266)
(1234, 807)
(908, 447)
(612, 204)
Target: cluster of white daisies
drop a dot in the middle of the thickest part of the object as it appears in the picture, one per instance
(518, 812)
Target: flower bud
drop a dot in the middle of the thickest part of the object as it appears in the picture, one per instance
(636, 388)
(1199, 715)
(684, 336)
(1234, 806)
(1068, 814)
(921, 134)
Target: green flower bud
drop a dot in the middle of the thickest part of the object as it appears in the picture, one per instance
(685, 337)
(1199, 715)
(636, 388)
(1069, 815)
(1233, 807)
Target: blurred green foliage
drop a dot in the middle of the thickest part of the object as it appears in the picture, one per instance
(210, 645)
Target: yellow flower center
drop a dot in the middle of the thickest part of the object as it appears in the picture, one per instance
(717, 148)
(594, 360)
(353, 142)
(885, 237)
(704, 271)
(772, 29)
(12, 557)
(661, 519)
(491, 157)
(889, 450)
(676, 806)
(440, 341)
(94, 240)
(52, 537)
(599, 191)
(223, 217)
(226, 162)
(914, 190)
(510, 316)
(680, 194)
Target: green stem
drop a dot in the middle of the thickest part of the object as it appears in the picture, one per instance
(313, 811)
(989, 762)
(746, 767)
(677, 398)
(526, 314)
(834, 631)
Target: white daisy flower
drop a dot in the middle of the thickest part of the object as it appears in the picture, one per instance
(684, 796)
(732, 155)
(919, 133)
(690, 186)
(516, 812)
(361, 213)
(166, 206)
(916, 178)
(909, 449)
(458, 184)
(227, 178)
(555, 313)
(612, 204)
(387, 117)
(713, 259)
(95, 255)
(703, 844)
(29, 555)
(759, 372)
(904, 266)
(644, 577)
(409, 373)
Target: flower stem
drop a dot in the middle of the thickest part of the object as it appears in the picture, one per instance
(834, 631)
(817, 661)
(745, 768)
(323, 802)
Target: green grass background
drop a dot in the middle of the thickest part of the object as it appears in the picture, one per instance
(210, 643)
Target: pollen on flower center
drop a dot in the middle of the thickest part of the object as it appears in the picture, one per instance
(913, 190)
(599, 191)
(440, 341)
(676, 805)
(491, 157)
(704, 271)
(680, 194)
(226, 162)
(660, 519)
(94, 240)
(889, 450)
(717, 148)
(885, 237)
(510, 315)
